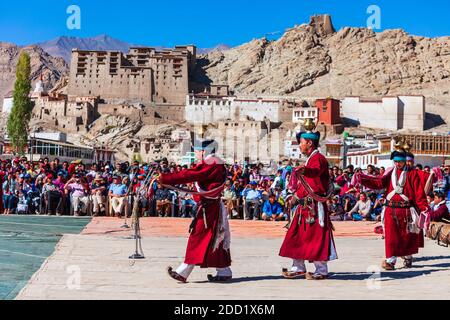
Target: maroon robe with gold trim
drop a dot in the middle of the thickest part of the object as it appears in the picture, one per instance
(399, 242)
(423, 176)
(310, 241)
(209, 175)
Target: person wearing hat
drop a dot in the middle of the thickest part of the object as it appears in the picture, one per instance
(117, 192)
(405, 199)
(310, 235)
(79, 194)
(98, 193)
(272, 210)
(209, 241)
(335, 209)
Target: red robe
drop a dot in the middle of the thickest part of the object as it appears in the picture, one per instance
(310, 241)
(199, 249)
(423, 177)
(2, 176)
(344, 184)
(440, 213)
(398, 242)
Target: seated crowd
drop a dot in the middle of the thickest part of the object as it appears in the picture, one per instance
(54, 188)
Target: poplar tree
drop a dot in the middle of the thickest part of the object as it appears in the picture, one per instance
(20, 115)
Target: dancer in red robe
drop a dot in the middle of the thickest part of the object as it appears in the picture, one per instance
(209, 241)
(426, 183)
(310, 235)
(405, 199)
(426, 178)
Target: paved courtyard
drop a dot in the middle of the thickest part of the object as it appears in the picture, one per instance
(95, 265)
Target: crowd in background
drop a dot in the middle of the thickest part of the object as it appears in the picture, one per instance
(103, 189)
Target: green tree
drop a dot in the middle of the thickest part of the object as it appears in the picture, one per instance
(20, 115)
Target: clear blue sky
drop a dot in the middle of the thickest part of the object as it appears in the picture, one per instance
(207, 23)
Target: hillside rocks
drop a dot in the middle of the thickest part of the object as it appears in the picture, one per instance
(313, 60)
(52, 69)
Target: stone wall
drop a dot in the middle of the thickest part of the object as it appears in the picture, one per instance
(69, 115)
(204, 110)
(135, 114)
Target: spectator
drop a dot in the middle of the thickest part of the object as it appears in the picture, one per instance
(446, 176)
(344, 181)
(10, 194)
(335, 209)
(163, 201)
(117, 193)
(60, 183)
(440, 211)
(188, 206)
(430, 200)
(380, 202)
(252, 198)
(272, 210)
(278, 182)
(52, 196)
(78, 195)
(230, 200)
(362, 209)
(98, 193)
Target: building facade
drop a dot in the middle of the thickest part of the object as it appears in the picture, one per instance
(248, 141)
(329, 111)
(300, 114)
(54, 145)
(392, 113)
(205, 108)
(74, 115)
(144, 74)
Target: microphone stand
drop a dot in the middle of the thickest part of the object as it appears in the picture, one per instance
(139, 253)
(127, 195)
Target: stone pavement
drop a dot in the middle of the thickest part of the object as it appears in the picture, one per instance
(177, 227)
(95, 265)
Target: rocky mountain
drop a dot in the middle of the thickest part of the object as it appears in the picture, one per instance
(219, 47)
(52, 69)
(62, 46)
(314, 60)
(310, 60)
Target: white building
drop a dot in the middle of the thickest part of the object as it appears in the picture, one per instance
(7, 105)
(392, 113)
(301, 113)
(362, 157)
(204, 109)
(292, 149)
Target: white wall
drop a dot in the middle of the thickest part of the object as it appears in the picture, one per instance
(7, 105)
(392, 113)
(55, 136)
(414, 112)
(361, 161)
(203, 111)
(383, 115)
(432, 161)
